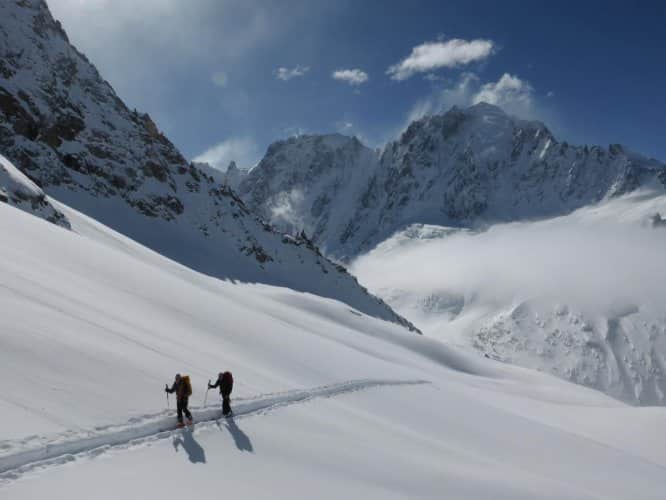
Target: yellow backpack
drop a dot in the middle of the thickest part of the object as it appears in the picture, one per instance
(188, 385)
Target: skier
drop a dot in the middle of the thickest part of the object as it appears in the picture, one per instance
(183, 389)
(225, 381)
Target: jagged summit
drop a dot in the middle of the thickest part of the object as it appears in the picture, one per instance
(463, 167)
(480, 109)
(63, 126)
(330, 142)
(481, 121)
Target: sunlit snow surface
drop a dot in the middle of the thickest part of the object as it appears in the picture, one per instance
(330, 403)
(581, 296)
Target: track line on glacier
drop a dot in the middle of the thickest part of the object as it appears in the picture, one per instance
(138, 431)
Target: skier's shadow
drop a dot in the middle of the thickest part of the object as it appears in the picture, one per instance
(241, 440)
(195, 453)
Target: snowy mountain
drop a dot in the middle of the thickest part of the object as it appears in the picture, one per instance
(64, 127)
(313, 183)
(328, 404)
(233, 175)
(463, 168)
(579, 296)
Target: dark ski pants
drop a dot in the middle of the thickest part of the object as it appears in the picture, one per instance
(181, 406)
(226, 404)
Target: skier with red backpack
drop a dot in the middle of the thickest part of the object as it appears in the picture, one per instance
(225, 381)
(183, 389)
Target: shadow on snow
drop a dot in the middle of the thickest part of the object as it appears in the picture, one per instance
(241, 440)
(195, 452)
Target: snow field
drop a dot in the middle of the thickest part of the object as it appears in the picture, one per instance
(93, 325)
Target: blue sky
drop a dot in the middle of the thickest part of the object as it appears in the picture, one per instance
(223, 79)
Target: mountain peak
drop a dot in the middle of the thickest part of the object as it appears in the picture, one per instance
(485, 108)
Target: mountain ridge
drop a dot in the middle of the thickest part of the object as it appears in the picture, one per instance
(465, 167)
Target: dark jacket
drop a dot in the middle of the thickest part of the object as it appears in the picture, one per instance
(225, 383)
(180, 388)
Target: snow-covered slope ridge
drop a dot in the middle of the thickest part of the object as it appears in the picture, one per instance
(93, 325)
(64, 126)
(17, 190)
(580, 296)
(461, 168)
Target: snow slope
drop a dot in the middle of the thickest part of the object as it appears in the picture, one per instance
(19, 191)
(464, 168)
(579, 296)
(329, 402)
(64, 126)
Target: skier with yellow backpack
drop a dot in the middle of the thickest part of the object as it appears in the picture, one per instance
(183, 389)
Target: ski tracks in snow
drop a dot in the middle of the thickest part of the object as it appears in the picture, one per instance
(33, 453)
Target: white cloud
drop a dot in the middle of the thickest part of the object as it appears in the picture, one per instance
(430, 56)
(511, 93)
(550, 94)
(350, 76)
(557, 260)
(143, 44)
(220, 78)
(161, 27)
(243, 150)
(509, 90)
(287, 74)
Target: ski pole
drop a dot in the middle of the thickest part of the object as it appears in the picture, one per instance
(167, 395)
(206, 396)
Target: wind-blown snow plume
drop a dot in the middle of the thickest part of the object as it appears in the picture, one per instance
(240, 149)
(513, 94)
(286, 210)
(510, 93)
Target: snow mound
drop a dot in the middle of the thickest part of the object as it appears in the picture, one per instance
(19, 191)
